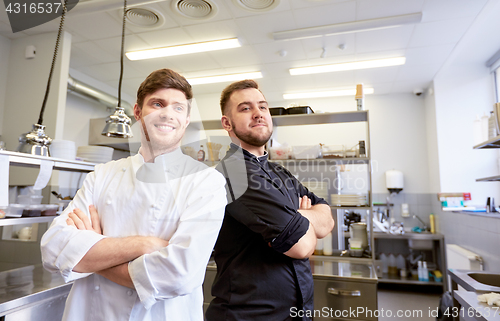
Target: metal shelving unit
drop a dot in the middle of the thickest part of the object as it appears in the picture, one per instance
(491, 143)
(8, 159)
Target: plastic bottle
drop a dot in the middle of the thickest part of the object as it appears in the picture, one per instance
(401, 264)
(484, 127)
(492, 126)
(420, 271)
(432, 219)
(425, 272)
(201, 154)
(393, 269)
(478, 133)
(385, 266)
(319, 247)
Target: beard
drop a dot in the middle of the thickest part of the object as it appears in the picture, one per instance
(250, 139)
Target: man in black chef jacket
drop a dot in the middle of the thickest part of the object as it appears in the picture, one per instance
(271, 222)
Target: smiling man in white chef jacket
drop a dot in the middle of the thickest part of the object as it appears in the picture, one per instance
(138, 235)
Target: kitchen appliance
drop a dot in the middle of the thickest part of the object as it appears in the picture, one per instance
(36, 142)
(350, 218)
(394, 181)
(358, 231)
(118, 124)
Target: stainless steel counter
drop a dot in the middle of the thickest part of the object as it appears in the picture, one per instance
(344, 269)
(22, 286)
(475, 310)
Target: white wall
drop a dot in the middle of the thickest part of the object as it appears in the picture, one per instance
(397, 130)
(4, 67)
(432, 142)
(463, 88)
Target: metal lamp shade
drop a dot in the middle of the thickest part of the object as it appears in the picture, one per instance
(36, 142)
(118, 125)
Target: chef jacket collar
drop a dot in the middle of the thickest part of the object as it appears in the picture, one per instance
(167, 158)
(167, 163)
(250, 155)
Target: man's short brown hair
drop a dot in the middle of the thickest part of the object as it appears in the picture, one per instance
(163, 78)
(239, 85)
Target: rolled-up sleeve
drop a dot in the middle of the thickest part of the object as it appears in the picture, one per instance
(179, 268)
(64, 246)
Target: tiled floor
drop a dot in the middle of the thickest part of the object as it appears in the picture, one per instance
(407, 306)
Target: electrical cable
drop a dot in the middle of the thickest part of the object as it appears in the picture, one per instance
(61, 24)
(121, 53)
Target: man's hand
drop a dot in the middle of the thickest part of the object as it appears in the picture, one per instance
(81, 221)
(304, 203)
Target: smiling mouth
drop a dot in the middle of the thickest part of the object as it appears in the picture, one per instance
(165, 128)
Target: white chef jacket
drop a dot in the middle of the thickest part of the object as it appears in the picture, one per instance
(186, 208)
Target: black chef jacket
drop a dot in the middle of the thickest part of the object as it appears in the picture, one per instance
(255, 280)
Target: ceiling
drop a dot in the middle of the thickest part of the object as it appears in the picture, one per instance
(95, 26)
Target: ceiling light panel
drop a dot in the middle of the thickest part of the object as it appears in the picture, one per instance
(184, 49)
(329, 93)
(377, 63)
(224, 78)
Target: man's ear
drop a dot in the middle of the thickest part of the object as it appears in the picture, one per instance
(226, 124)
(137, 112)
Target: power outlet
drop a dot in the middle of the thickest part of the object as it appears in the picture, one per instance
(405, 210)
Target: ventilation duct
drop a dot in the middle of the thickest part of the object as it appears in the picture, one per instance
(87, 91)
(194, 9)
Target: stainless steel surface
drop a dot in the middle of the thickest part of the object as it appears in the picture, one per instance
(118, 125)
(78, 87)
(490, 143)
(343, 268)
(35, 142)
(409, 235)
(51, 309)
(28, 285)
(21, 159)
(486, 278)
(345, 299)
(472, 307)
(476, 281)
(333, 291)
(26, 220)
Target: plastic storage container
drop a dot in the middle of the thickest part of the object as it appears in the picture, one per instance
(50, 210)
(306, 152)
(33, 210)
(15, 210)
(282, 152)
(29, 199)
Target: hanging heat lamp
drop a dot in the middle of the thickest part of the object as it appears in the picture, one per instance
(118, 124)
(36, 142)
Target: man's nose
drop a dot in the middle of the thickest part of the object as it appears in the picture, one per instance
(259, 113)
(165, 112)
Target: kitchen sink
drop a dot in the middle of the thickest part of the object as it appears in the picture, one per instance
(476, 281)
(486, 278)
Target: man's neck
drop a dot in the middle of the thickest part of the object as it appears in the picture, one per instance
(149, 154)
(257, 151)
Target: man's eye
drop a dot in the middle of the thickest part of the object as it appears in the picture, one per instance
(263, 107)
(179, 108)
(157, 104)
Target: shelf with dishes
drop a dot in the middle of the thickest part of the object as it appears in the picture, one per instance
(26, 220)
(28, 160)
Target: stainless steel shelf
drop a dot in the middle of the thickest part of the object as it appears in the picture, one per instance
(409, 235)
(323, 161)
(301, 119)
(491, 143)
(28, 160)
(350, 207)
(399, 280)
(25, 220)
(489, 179)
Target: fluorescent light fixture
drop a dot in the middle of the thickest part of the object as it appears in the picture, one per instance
(330, 93)
(224, 78)
(349, 27)
(386, 62)
(184, 49)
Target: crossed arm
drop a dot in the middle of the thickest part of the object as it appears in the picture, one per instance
(320, 224)
(110, 256)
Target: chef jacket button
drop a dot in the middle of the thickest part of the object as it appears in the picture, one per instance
(96, 288)
(129, 292)
(152, 206)
(124, 169)
(108, 202)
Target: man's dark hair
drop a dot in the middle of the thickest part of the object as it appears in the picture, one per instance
(239, 85)
(163, 78)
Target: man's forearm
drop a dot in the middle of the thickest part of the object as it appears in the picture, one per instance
(320, 216)
(110, 252)
(118, 274)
